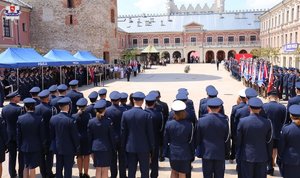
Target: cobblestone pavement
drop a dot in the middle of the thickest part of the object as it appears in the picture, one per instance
(168, 80)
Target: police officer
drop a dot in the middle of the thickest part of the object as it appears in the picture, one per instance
(102, 94)
(191, 116)
(123, 101)
(3, 142)
(291, 82)
(82, 118)
(93, 96)
(10, 114)
(137, 136)
(53, 91)
(65, 139)
(254, 134)
(285, 83)
(178, 137)
(289, 146)
(22, 86)
(292, 101)
(101, 138)
(115, 112)
(62, 90)
(212, 135)
(46, 111)
(158, 128)
(74, 94)
(211, 92)
(189, 103)
(12, 80)
(2, 92)
(276, 112)
(34, 94)
(30, 137)
(241, 102)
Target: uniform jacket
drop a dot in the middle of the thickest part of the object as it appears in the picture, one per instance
(82, 121)
(292, 101)
(137, 131)
(54, 102)
(158, 124)
(233, 125)
(203, 108)
(90, 109)
(285, 79)
(115, 113)
(10, 114)
(74, 96)
(3, 135)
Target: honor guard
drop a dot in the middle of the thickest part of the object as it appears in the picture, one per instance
(65, 139)
(115, 112)
(30, 135)
(254, 136)
(34, 94)
(137, 137)
(178, 137)
(289, 145)
(102, 94)
(62, 90)
(46, 111)
(101, 139)
(292, 101)
(291, 82)
(241, 102)
(12, 80)
(158, 128)
(82, 118)
(212, 137)
(93, 98)
(189, 102)
(212, 92)
(285, 83)
(3, 142)
(53, 91)
(22, 86)
(276, 112)
(10, 114)
(2, 92)
(74, 94)
(123, 101)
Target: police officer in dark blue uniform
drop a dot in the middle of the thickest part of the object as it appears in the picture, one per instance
(289, 145)
(74, 94)
(3, 142)
(158, 128)
(285, 83)
(46, 111)
(12, 80)
(137, 136)
(292, 101)
(191, 115)
(10, 114)
(30, 136)
(53, 91)
(254, 135)
(291, 82)
(115, 112)
(34, 94)
(102, 94)
(178, 138)
(241, 102)
(123, 101)
(212, 136)
(2, 90)
(189, 103)
(276, 112)
(65, 139)
(101, 138)
(82, 118)
(93, 96)
(62, 90)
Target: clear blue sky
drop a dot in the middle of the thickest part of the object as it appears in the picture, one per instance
(158, 6)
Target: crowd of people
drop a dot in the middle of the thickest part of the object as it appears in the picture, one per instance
(118, 135)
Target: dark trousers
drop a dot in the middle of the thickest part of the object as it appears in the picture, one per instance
(291, 171)
(292, 92)
(154, 163)
(213, 168)
(64, 162)
(143, 160)
(286, 92)
(1, 99)
(128, 77)
(118, 155)
(232, 149)
(46, 164)
(253, 170)
(12, 149)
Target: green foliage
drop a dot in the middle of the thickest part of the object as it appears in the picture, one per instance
(129, 54)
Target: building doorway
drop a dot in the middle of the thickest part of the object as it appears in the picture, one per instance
(193, 57)
(106, 56)
(220, 55)
(165, 56)
(209, 57)
(243, 51)
(231, 54)
(177, 55)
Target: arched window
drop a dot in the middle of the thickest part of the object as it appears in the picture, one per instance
(112, 16)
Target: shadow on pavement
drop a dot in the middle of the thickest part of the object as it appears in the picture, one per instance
(175, 77)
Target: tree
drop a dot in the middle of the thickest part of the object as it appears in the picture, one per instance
(129, 54)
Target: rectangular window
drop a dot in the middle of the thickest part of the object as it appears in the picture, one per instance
(6, 28)
(193, 39)
(145, 41)
(177, 40)
(209, 39)
(253, 38)
(291, 37)
(220, 39)
(298, 12)
(166, 40)
(231, 39)
(24, 27)
(286, 38)
(155, 40)
(287, 16)
(279, 18)
(134, 41)
(71, 19)
(293, 11)
(296, 37)
(242, 39)
(283, 18)
(112, 16)
(70, 4)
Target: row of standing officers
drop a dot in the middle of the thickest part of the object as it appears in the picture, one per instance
(66, 126)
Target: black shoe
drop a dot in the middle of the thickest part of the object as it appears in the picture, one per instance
(270, 172)
(161, 159)
(81, 175)
(86, 176)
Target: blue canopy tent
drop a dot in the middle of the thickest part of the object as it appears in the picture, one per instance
(88, 56)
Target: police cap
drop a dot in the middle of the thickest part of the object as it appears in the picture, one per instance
(181, 96)
(53, 88)
(13, 94)
(214, 102)
(35, 90)
(81, 102)
(73, 83)
(93, 95)
(100, 104)
(251, 93)
(178, 105)
(124, 95)
(103, 91)
(44, 94)
(29, 101)
(211, 91)
(255, 103)
(295, 110)
(151, 97)
(115, 95)
(62, 87)
(64, 101)
(138, 95)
